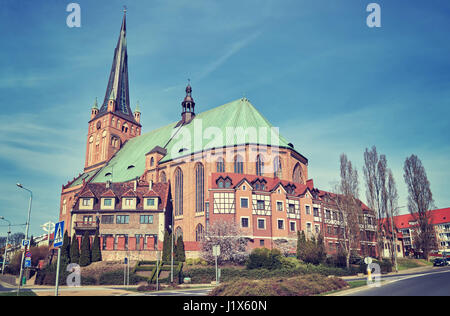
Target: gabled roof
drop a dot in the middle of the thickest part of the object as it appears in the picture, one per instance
(272, 183)
(87, 193)
(239, 114)
(130, 193)
(108, 193)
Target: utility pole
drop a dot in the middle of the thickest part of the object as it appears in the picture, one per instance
(6, 245)
(26, 235)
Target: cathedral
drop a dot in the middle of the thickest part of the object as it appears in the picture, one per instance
(225, 164)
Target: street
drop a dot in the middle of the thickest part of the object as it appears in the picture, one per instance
(431, 283)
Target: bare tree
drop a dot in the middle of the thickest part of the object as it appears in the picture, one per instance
(391, 199)
(226, 234)
(375, 177)
(420, 201)
(349, 207)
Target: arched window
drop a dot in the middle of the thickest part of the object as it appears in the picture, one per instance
(162, 177)
(220, 165)
(238, 164)
(64, 207)
(152, 162)
(259, 166)
(297, 175)
(178, 192)
(178, 232)
(199, 233)
(277, 169)
(118, 124)
(199, 188)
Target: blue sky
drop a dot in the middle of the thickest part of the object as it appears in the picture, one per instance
(313, 68)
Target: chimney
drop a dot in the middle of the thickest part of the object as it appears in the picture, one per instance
(150, 185)
(135, 185)
(108, 183)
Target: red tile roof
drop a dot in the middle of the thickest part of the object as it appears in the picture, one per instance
(119, 190)
(439, 216)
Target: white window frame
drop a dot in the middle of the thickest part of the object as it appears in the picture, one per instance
(282, 206)
(257, 223)
(280, 220)
(240, 202)
(248, 221)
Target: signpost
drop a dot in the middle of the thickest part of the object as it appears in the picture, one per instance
(57, 243)
(216, 254)
(126, 272)
(25, 243)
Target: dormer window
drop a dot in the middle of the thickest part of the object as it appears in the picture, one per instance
(227, 184)
(86, 202)
(220, 184)
(128, 203)
(150, 202)
(107, 202)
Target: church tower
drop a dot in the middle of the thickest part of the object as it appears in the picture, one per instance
(114, 123)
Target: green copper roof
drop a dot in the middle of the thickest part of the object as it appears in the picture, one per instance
(240, 116)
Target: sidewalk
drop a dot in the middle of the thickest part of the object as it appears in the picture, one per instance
(403, 272)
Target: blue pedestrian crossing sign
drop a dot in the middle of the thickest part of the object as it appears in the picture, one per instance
(58, 236)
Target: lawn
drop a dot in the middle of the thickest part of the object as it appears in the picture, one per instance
(405, 263)
(22, 293)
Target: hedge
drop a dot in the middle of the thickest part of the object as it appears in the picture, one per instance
(116, 278)
(207, 275)
(385, 266)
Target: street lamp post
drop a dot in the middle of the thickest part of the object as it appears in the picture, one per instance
(6, 245)
(26, 235)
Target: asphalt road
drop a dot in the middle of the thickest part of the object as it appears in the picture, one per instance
(431, 283)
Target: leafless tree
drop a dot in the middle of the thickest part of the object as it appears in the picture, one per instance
(375, 176)
(228, 235)
(349, 207)
(390, 196)
(420, 201)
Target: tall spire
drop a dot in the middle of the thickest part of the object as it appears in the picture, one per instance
(118, 78)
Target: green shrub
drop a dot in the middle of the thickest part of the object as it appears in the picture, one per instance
(263, 258)
(116, 278)
(289, 263)
(385, 266)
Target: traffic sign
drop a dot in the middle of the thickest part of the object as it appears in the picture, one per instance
(28, 254)
(25, 243)
(216, 251)
(59, 231)
(27, 262)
